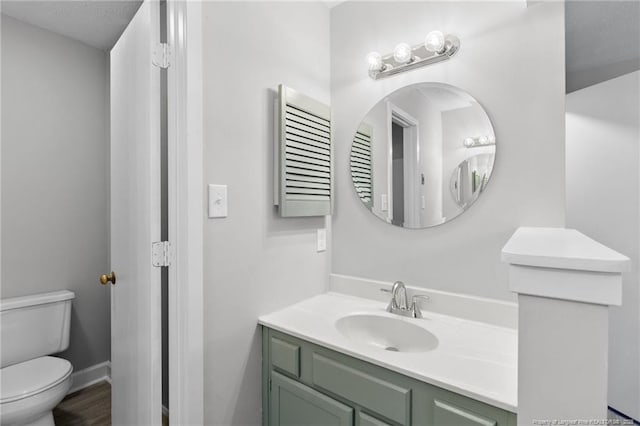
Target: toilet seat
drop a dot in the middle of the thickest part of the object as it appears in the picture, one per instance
(29, 378)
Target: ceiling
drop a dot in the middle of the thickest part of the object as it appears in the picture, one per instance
(96, 23)
(602, 41)
(602, 37)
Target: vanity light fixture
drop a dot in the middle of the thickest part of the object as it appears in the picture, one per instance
(479, 141)
(437, 47)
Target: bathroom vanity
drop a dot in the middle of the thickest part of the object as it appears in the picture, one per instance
(322, 365)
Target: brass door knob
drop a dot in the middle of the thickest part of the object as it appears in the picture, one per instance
(104, 279)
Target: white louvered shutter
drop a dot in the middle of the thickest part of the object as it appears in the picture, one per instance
(305, 169)
(361, 172)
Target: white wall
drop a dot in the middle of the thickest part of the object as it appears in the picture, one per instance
(603, 196)
(55, 178)
(255, 262)
(511, 61)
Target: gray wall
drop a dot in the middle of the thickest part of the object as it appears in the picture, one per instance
(603, 41)
(55, 178)
(512, 62)
(603, 201)
(255, 262)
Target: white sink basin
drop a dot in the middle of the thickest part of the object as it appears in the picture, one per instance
(385, 333)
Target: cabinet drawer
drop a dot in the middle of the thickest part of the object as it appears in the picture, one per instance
(448, 414)
(294, 404)
(285, 356)
(384, 398)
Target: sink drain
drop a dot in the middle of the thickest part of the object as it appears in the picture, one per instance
(391, 348)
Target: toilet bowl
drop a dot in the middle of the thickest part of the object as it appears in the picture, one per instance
(31, 389)
(32, 383)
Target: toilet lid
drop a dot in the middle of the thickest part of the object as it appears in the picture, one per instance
(28, 378)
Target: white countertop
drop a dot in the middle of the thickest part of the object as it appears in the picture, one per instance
(561, 248)
(474, 359)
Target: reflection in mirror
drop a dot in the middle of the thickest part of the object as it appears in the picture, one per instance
(422, 155)
(469, 179)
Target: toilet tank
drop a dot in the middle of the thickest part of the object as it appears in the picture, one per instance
(34, 326)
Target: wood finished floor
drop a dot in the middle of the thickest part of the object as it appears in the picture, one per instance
(88, 407)
(92, 407)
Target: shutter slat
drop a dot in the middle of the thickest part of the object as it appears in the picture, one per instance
(314, 191)
(311, 154)
(362, 151)
(292, 130)
(360, 156)
(308, 160)
(360, 148)
(306, 172)
(322, 150)
(307, 166)
(292, 109)
(306, 197)
(310, 131)
(318, 128)
(308, 143)
(307, 178)
(360, 165)
(307, 184)
(362, 144)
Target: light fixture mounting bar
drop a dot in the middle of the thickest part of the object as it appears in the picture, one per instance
(420, 58)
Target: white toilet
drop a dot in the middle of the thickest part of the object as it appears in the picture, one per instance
(31, 383)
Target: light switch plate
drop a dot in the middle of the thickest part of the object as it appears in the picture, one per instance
(384, 202)
(217, 201)
(322, 239)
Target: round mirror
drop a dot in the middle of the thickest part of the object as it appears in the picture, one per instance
(422, 155)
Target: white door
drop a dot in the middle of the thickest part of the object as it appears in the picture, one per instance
(135, 223)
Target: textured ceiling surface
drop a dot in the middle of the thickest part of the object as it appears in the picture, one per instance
(602, 40)
(96, 23)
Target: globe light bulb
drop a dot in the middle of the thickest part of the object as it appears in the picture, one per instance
(468, 142)
(434, 42)
(402, 53)
(492, 139)
(483, 140)
(374, 59)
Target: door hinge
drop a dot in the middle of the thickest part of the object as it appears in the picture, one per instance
(162, 55)
(161, 253)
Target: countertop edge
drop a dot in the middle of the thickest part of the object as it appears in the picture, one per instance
(561, 248)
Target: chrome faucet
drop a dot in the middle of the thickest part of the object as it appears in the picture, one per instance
(399, 303)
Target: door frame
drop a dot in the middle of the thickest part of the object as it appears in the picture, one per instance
(410, 124)
(186, 221)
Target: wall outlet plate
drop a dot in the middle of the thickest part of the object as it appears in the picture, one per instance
(322, 239)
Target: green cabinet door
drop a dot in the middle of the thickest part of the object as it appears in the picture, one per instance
(294, 404)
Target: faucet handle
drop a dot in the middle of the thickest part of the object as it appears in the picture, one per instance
(392, 302)
(415, 297)
(415, 307)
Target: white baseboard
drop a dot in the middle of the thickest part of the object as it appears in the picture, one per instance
(96, 374)
(90, 376)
